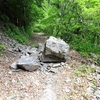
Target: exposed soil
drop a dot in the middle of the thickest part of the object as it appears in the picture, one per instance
(38, 85)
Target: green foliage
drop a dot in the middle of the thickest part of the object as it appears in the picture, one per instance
(22, 13)
(34, 45)
(77, 22)
(16, 33)
(84, 71)
(60, 18)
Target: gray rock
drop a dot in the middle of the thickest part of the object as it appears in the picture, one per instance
(55, 49)
(29, 63)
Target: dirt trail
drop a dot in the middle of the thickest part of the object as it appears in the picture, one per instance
(38, 85)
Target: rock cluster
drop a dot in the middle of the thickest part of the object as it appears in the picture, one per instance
(52, 51)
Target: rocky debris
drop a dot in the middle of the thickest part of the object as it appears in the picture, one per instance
(53, 50)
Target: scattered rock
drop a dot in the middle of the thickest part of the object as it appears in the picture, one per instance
(28, 63)
(54, 50)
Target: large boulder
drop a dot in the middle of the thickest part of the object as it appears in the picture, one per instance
(55, 50)
(28, 63)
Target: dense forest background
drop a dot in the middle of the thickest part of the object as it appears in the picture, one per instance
(75, 21)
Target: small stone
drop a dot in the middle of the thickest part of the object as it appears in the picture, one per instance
(13, 80)
(90, 90)
(68, 80)
(98, 77)
(50, 65)
(36, 83)
(16, 70)
(7, 60)
(67, 90)
(93, 66)
(67, 66)
(53, 70)
(62, 63)
(6, 83)
(56, 65)
(10, 72)
(97, 94)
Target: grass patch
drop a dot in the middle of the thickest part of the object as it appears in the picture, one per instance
(15, 32)
(34, 45)
(84, 71)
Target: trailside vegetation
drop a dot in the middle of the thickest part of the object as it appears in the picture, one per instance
(20, 17)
